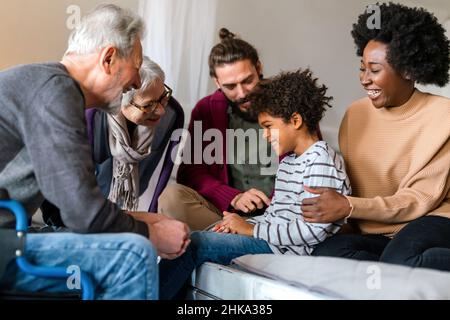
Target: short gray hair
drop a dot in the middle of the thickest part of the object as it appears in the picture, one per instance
(106, 25)
(150, 72)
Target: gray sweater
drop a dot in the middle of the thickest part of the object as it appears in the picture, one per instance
(44, 150)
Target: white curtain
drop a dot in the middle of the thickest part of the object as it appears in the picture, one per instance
(180, 35)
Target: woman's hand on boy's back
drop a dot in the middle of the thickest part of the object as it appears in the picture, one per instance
(329, 206)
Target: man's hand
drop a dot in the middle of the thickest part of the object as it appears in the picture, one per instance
(233, 223)
(153, 218)
(250, 200)
(170, 237)
(328, 207)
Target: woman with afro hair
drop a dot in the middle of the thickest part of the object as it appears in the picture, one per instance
(396, 146)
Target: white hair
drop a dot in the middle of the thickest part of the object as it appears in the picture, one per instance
(107, 25)
(150, 72)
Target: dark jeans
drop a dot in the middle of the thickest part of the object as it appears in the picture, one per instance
(423, 243)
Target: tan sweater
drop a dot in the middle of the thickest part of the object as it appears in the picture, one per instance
(398, 160)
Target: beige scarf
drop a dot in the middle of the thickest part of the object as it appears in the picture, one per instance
(127, 153)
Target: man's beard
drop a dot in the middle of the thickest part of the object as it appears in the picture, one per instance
(113, 107)
(246, 115)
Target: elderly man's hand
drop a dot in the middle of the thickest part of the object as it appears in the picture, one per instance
(170, 237)
(328, 207)
(175, 255)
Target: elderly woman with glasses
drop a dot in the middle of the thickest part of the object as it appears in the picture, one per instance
(131, 132)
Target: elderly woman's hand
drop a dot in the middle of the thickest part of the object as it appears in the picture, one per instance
(328, 207)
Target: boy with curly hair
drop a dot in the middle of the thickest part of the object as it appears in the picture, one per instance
(289, 108)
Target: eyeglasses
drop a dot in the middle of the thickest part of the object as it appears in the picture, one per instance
(152, 105)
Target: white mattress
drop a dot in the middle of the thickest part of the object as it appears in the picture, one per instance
(214, 282)
(279, 277)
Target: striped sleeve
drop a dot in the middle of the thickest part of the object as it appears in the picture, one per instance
(294, 233)
(325, 171)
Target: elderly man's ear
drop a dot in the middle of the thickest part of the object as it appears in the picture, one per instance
(108, 58)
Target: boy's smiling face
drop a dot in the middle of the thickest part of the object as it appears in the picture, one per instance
(283, 136)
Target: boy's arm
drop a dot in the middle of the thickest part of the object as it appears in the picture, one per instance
(295, 233)
(322, 173)
(233, 223)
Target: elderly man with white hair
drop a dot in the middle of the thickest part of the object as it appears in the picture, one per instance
(123, 148)
(46, 153)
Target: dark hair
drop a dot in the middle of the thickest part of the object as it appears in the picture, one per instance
(418, 46)
(291, 92)
(230, 50)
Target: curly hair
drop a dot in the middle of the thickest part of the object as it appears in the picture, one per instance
(418, 46)
(288, 93)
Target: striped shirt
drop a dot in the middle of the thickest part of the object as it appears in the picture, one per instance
(282, 225)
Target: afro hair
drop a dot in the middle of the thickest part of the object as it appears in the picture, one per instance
(418, 46)
(288, 93)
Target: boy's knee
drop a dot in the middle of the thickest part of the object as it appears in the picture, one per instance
(197, 238)
(207, 240)
(204, 240)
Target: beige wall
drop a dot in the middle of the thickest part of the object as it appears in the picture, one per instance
(35, 30)
(299, 33)
(288, 33)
